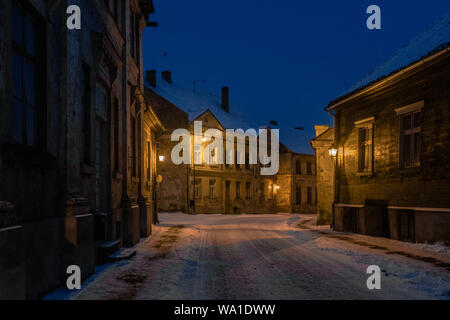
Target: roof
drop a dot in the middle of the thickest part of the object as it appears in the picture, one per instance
(426, 44)
(197, 103)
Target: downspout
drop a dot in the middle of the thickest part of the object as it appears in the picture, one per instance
(336, 167)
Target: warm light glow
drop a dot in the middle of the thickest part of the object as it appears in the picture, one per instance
(278, 187)
(161, 158)
(204, 139)
(333, 152)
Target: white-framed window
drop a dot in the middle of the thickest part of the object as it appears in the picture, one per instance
(411, 139)
(213, 157)
(410, 134)
(198, 154)
(365, 144)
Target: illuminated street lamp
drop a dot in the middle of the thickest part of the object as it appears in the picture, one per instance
(333, 152)
(162, 158)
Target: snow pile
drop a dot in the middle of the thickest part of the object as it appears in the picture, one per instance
(434, 39)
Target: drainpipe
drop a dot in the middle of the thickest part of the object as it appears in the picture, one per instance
(336, 168)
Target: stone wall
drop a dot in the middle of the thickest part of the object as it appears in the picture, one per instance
(424, 186)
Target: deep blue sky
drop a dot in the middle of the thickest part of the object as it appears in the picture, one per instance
(283, 60)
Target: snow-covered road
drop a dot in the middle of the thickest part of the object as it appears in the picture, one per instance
(269, 257)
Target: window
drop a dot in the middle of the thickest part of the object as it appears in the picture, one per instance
(298, 167)
(248, 190)
(198, 154)
(228, 158)
(197, 188)
(309, 168)
(411, 139)
(116, 12)
(212, 188)
(247, 161)
(365, 149)
(238, 190)
(133, 147)
(26, 77)
(134, 37)
(149, 160)
(101, 102)
(309, 195)
(238, 156)
(116, 135)
(261, 192)
(213, 157)
(86, 117)
(298, 196)
(271, 187)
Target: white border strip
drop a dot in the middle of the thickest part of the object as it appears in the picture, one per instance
(447, 210)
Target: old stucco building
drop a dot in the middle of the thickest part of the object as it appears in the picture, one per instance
(222, 188)
(297, 181)
(77, 139)
(392, 136)
(325, 163)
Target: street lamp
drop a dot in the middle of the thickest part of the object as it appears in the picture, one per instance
(162, 158)
(333, 152)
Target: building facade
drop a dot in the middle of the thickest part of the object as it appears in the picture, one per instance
(322, 144)
(392, 137)
(204, 188)
(222, 188)
(73, 139)
(297, 181)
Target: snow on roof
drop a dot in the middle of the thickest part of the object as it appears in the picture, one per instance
(425, 44)
(197, 103)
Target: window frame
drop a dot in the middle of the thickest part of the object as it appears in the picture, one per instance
(410, 110)
(367, 125)
(238, 190)
(197, 188)
(298, 195)
(212, 188)
(298, 167)
(38, 61)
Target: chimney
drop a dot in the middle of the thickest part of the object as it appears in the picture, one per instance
(320, 130)
(167, 75)
(150, 77)
(226, 99)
